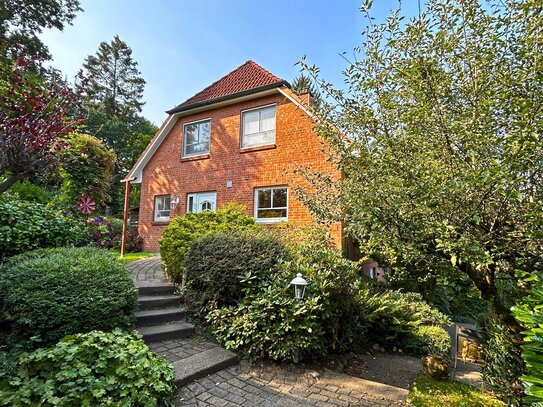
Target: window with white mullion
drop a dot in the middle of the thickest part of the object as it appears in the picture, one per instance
(162, 208)
(258, 127)
(271, 204)
(196, 137)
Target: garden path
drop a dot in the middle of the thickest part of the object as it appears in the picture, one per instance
(265, 384)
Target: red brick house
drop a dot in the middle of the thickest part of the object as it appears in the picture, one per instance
(239, 140)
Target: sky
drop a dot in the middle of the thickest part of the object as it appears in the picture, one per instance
(182, 46)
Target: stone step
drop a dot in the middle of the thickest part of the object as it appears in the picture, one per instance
(166, 289)
(202, 364)
(159, 316)
(164, 332)
(147, 302)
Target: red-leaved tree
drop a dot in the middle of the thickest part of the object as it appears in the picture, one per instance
(34, 116)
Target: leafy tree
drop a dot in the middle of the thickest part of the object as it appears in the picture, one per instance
(22, 20)
(34, 115)
(115, 83)
(440, 139)
(87, 169)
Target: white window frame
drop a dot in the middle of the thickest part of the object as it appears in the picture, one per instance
(256, 208)
(242, 129)
(158, 218)
(195, 195)
(185, 155)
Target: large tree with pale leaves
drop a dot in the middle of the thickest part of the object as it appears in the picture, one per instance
(440, 138)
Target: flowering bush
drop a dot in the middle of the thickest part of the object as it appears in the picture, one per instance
(105, 233)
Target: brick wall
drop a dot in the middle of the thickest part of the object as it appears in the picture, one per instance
(296, 144)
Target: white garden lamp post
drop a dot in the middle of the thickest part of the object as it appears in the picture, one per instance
(299, 284)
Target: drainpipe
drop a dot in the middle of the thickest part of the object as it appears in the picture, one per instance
(127, 182)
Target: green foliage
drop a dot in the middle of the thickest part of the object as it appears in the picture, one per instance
(27, 191)
(429, 340)
(270, 322)
(115, 83)
(219, 266)
(529, 312)
(182, 231)
(26, 226)
(396, 319)
(503, 363)
(447, 393)
(87, 169)
(49, 293)
(91, 369)
(128, 137)
(444, 163)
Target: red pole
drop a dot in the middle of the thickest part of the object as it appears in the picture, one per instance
(126, 209)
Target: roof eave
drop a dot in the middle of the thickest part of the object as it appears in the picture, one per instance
(228, 97)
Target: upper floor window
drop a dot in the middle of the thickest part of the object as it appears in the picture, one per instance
(258, 127)
(271, 204)
(162, 208)
(196, 138)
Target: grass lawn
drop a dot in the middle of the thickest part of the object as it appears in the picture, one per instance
(128, 257)
(448, 393)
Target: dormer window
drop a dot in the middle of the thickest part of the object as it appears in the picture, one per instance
(258, 127)
(196, 136)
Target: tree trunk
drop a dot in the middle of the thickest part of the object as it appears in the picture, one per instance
(485, 283)
(7, 183)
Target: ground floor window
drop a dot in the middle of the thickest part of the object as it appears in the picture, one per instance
(201, 201)
(271, 204)
(162, 208)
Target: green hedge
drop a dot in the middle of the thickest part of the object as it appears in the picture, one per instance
(30, 225)
(183, 231)
(49, 293)
(219, 266)
(270, 322)
(92, 369)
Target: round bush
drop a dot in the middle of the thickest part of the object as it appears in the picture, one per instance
(220, 265)
(429, 340)
(182, 231)
(92, 369)
(270, 322)
(49, 293)
(30, 225)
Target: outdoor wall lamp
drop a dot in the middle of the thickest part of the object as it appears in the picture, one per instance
(299, 284)
(174, 201)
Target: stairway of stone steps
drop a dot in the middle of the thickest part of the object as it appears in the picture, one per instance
(164, 327)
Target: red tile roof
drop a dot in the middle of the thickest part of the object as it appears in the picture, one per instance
(244, 78)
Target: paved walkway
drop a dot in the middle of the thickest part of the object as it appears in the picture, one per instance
(147, 272)
(265, 384)
(269, 385)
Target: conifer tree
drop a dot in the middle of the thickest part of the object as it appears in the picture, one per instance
(115, 83)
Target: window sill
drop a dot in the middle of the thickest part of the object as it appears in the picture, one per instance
(160, 223)
(271, 221)
(195, 158)
(258, 148)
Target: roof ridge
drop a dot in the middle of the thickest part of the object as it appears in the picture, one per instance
(264, 71)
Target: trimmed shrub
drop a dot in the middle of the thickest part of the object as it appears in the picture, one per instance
(26, 226)
(394, 318)
(270, 322)
(96, 368)
(182, 231)
(49, 293)
(429, 340)
(219, 266)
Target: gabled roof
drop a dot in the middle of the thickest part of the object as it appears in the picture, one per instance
(245, 79)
